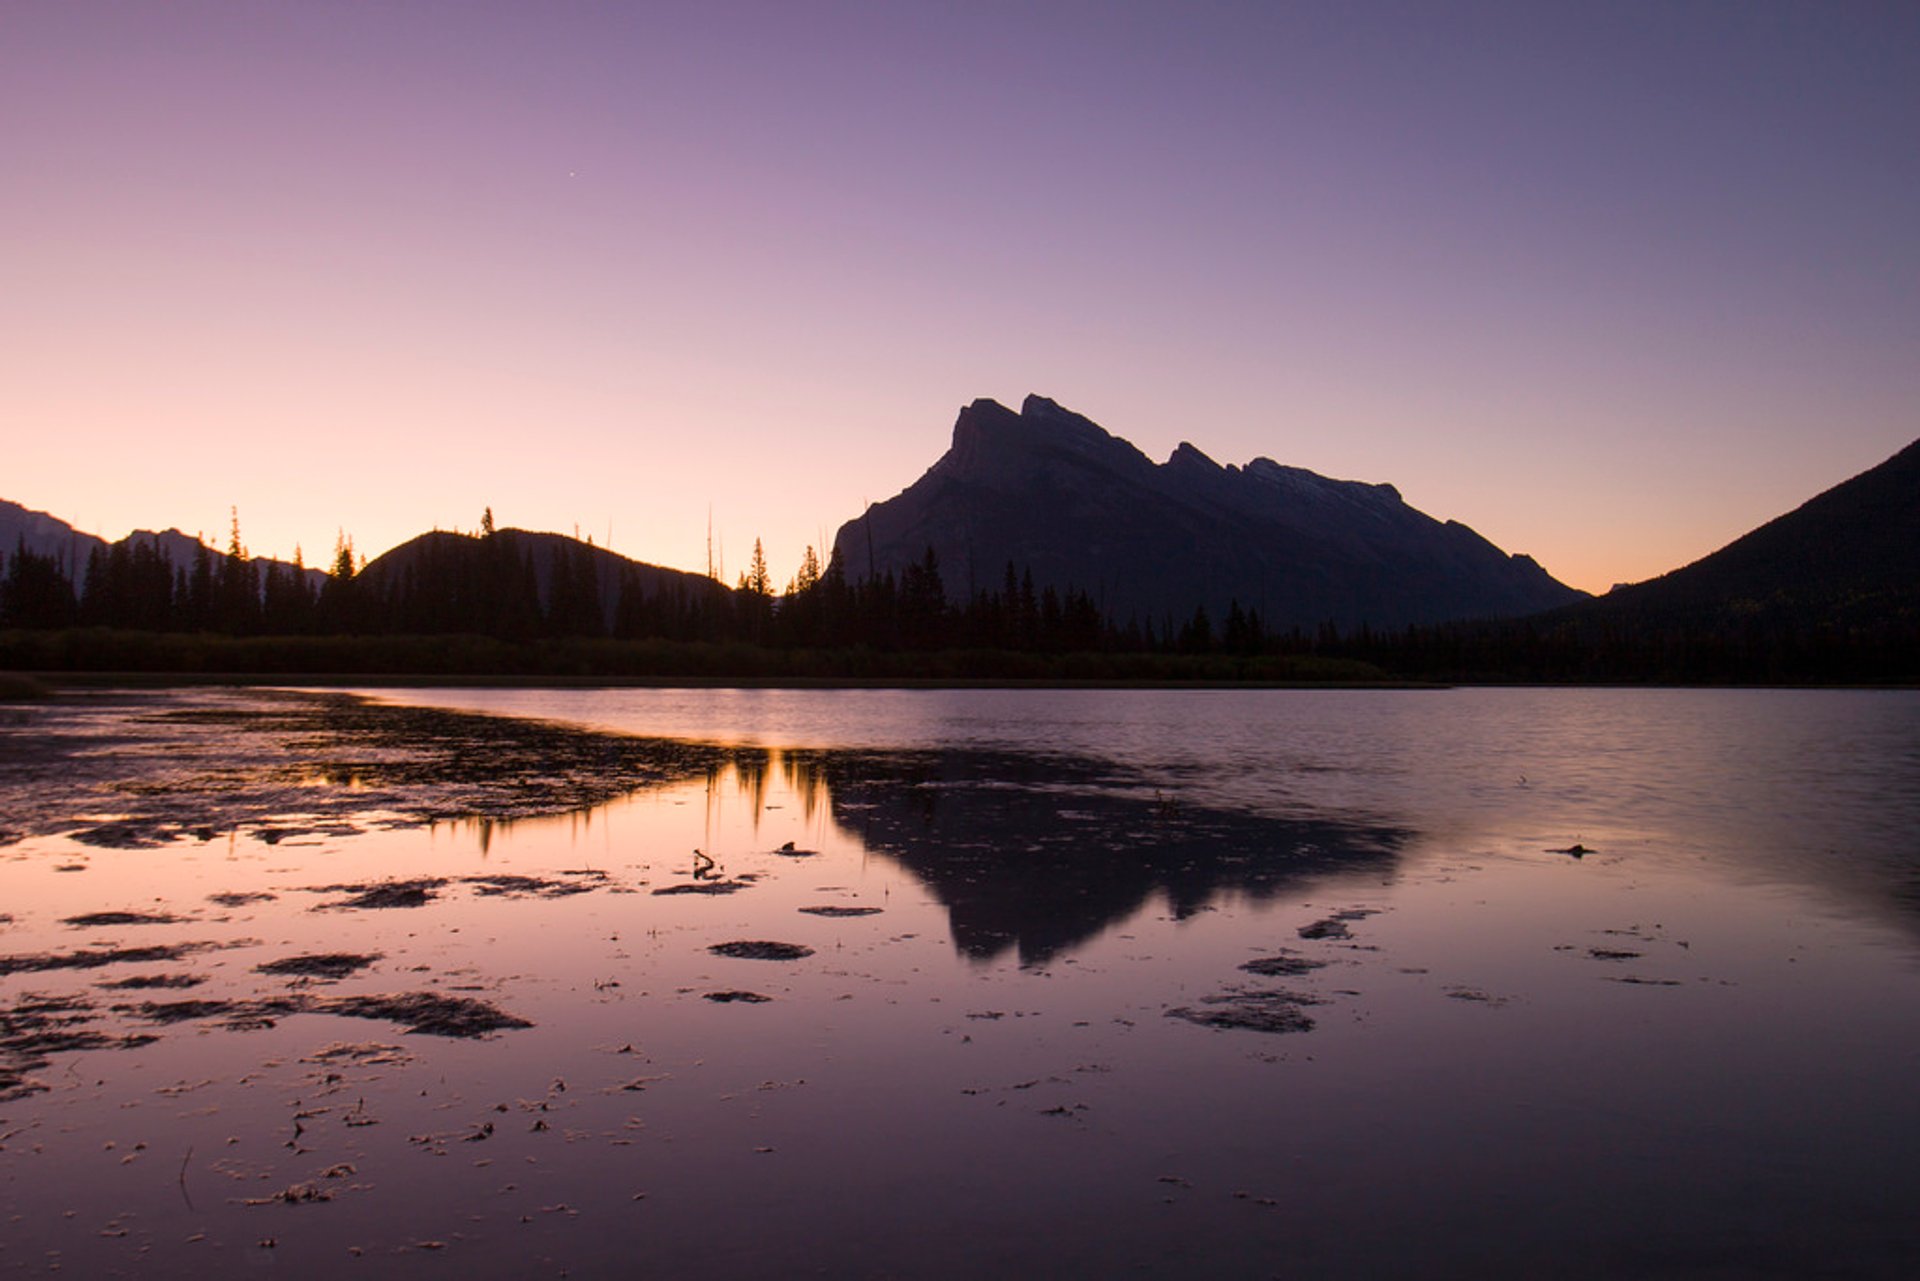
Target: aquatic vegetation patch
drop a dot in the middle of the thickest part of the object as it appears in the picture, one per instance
(705, 887)
(147, 982)
(93, 958)
(1285, 965)
(359, 1053)
(761, 950)
(322, 965)
(734, 997)
(39, 1026)
(1251, 1011)
(384, 894)
(1335, 927)
(583, 882)
(836, 909)
(126, 836)
(278, 764)
(91, 920)
(241, 898)
(427, 1013)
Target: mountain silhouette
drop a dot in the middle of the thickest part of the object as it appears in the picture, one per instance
(1846, 559)
(48, 535)
(476, 576)
(1050, 492)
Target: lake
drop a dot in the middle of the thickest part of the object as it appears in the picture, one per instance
(942, 983)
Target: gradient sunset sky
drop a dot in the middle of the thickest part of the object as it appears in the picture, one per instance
(1611, 283)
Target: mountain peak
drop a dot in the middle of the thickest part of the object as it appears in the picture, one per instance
(1051, 491)
(1187, 455)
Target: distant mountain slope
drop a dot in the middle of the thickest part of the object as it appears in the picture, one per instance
(473, 575)
(1848, 558)
(50, 536)
(1049, 491)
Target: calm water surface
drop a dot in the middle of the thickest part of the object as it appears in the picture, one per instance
(1688, 1052)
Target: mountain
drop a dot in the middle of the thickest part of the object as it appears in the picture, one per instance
(1051, 492)
(50, 536)
(1847, 560)
(472, 576)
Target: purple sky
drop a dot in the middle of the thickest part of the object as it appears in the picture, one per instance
(1610, 283)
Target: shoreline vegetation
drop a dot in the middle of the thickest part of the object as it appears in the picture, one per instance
(33, 662)
(94, 656)
(472, 607)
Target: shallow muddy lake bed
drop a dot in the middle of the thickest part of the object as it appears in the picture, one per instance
(1125, 982)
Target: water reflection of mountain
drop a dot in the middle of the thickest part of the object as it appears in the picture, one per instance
(1041, 854)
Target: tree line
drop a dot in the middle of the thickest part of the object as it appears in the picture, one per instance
(492, 587)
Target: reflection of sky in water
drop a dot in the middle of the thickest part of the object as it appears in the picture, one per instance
(1819, 787)
(1482, 1094)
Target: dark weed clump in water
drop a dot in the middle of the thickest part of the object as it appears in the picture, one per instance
(384, 894)
(92, 920)
(95, 958)
(1282, 966)
(535, 886)
(1250, 1012)
(340, 755)
(729, 998)
(145, 982)
(323, 965)
(241, 899)
(704, 887)
(761, 950)
(834, 909)
(40, 1026)
(428, 1013)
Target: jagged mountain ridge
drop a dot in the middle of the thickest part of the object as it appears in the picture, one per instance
(47, 535)
(1050, 491)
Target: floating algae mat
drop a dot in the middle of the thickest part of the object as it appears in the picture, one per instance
(942, 983)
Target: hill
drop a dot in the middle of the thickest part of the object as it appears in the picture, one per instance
(517, 581)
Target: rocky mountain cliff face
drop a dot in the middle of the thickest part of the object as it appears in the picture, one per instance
(1051, 492)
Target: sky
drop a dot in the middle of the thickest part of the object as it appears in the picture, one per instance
(1611, 283)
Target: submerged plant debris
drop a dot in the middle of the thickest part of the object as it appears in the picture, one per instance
(145, 982)
(94, 920)
(704, 887)
(140, 770)
(428, 1013)
(580, 882)
(733, 997)
(36, 1027)
(1250, 1011)
(835, 909)
(761, 950)
(323, 965)
(94, 958)
(1285, 965)
(241, 898)
(384, 894)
